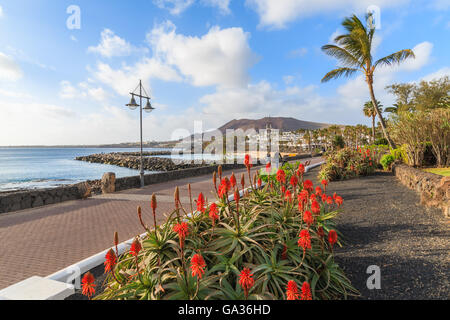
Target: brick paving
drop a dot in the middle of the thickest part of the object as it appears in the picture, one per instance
(41, 241)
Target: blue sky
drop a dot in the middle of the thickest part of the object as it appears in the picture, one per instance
(201, 60)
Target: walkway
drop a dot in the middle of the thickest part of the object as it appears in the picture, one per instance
(384, 225)
(43, 240)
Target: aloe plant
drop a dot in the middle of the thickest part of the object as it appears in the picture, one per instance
(251, 249)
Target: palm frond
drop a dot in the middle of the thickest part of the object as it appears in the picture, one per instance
(339, 72)
(345, 57)
(396, 57)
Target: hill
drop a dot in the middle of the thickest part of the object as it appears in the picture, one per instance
(281, 123)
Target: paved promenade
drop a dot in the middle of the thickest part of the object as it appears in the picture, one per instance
(41, 241)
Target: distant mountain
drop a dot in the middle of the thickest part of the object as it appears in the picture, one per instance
(281, 123)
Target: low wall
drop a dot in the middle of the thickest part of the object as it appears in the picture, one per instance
(14, 201)
(434, 189)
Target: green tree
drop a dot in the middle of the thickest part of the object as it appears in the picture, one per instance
(354, 51)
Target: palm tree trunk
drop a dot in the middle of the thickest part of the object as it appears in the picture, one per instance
(383, 125)
(373, 128)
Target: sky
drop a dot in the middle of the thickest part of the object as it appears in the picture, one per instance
(67, 67)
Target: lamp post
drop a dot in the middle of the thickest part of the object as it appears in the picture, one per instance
(148, 108)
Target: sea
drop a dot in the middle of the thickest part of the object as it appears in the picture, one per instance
(36, 168)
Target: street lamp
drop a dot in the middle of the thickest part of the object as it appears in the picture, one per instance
(148, 108)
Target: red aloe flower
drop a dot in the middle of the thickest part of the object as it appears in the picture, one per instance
(334, 196)
(288, 195)
(222, 191)
(135, 247)
(304, 240)
(306, 292)
(87, 284)
(325, 184)
(338, 200)
(197, 266)
(110, 260)
(247, 162)
(281, 176)
(324, 197)
(233, 180)
(330, 200)
(213, 212)
(294, 181)
(183, 230)
(292, 291)
(301, 169)
(308, 218)
(315, 207)
(259, 182)
(313, 197)
(246, 281)
(318, 191)
(332, 237)
(201, 203)
(308, 185)
(303, 196)
(268, 167)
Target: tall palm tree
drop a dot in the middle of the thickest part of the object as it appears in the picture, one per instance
(370, 112)
(353, 50)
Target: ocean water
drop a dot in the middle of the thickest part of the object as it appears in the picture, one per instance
(30, 168)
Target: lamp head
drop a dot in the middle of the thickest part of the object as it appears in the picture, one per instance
(132, 105)
(148, 108)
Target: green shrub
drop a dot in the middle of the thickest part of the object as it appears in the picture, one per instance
(386, 161)
(348, 163)
(338, 142)
(381, 141)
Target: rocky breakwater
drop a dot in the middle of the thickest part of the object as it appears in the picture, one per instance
(132, 160)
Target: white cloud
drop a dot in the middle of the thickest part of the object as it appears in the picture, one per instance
(440, 4)
(1, 12)
(277, 13)
(125, 79)
(112, 45)
(422, 51)
(176, 7)
(288, 79)
(9, 69)
(445, 71)
(67, 91)
(261, 99)
(220, 57)
(300, 52)
(83, 90)
(223, 5)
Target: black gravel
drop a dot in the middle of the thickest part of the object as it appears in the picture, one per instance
(384, 225)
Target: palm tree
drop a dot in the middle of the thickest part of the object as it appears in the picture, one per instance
(369, 111)
(353, 50)
(397, 107)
